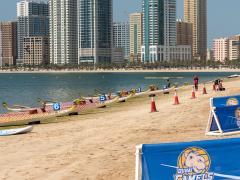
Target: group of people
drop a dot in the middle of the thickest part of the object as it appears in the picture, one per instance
(217, 85)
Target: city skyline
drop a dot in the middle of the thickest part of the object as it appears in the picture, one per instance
(121, 14)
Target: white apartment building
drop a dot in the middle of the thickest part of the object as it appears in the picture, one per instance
(220, 49)
(63, 32)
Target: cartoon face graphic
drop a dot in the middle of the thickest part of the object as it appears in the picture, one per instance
(195, 159)
(232, 102)
(196, 162)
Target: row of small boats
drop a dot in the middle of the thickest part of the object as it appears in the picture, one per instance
(22, 115)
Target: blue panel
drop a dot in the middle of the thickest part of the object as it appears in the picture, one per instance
(226, 101)
(229, 118)
(213, 126)
(200, 160)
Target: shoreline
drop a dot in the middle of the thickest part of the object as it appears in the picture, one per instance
(121, 71)
(100, 144)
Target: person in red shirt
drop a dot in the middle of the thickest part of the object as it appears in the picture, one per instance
(196, 80)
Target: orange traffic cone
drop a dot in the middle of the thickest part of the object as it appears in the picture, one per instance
(176, 100)
(193, 94)
(204, 89)
(153, 105)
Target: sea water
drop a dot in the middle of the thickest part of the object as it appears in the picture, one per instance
(26, 88)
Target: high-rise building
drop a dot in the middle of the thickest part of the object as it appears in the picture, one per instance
(121, 37)
(8, 43)
(159, 32)
(234, 48)
(195, 12)
(210, 54)
(220, 49)
(118, 55)
(33, 20)
(63, 32)
(36, 50)
(95, 31)
(184, 33)
(226, 48)
(136, 36)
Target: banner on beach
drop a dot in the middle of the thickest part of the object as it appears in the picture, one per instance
(225, 101)
(224, 116)
(228, 118)
(201, 160)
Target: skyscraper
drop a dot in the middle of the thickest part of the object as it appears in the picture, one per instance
(95, 31)
(63, 32)
(184, 33)
(136, 33)
(121, 37)
(159, 32)
(195, 12)
(8, 43)
(33, 20)
(36, 50)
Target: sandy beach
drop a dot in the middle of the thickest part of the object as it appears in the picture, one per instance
(100, 145)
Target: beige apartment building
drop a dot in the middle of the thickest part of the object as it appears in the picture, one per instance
(195, 12)
(136, 38)
(234, 47)
(36, 50)
(8, 43)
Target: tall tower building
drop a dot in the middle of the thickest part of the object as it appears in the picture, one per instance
(63, 32)
(159, 24)
(136, 33)
(195, 12)
(8, 43)
(95, 31)
(121, 37)
(33, 20)
(184, 33)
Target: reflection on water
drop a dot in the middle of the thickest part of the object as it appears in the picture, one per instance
(25, 89)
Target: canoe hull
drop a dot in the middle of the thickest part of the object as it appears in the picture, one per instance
(32, 118)
(9, 132)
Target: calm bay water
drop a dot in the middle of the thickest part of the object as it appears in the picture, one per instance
(25, 89)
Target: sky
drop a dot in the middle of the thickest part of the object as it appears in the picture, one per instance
(223, 15)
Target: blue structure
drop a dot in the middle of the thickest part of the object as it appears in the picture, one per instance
(199, 160)
(224, 116)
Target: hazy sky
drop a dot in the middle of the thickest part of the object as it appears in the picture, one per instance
(223, 15)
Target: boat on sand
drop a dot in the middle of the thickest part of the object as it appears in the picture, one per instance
(15, 131)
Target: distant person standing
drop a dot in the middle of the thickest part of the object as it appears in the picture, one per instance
(196, 81)
(168, 83)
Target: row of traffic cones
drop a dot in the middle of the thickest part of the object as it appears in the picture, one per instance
(176, 99)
